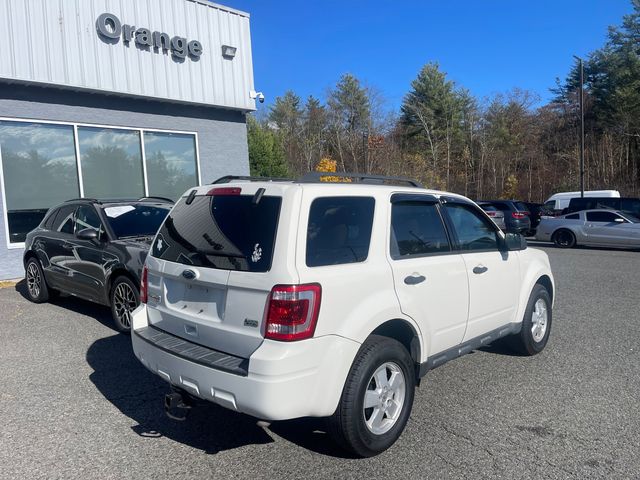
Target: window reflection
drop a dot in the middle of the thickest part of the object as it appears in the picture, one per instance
(111, 162)
(171, 163)
(39, 167)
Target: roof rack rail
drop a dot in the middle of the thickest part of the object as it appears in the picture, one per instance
(86, 199)
(229, 178)
(313, 177)
(152, 197)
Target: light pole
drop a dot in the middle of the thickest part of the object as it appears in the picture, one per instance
(581, 63)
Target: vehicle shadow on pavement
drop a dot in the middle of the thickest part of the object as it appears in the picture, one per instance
(83, 307)
(139, 395)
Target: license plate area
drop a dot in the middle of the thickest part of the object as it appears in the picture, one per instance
(204, 301)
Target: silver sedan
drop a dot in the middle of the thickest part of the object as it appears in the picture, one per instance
(598, 228)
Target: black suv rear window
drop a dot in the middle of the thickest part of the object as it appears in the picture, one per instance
(339, 230)
(229, 232)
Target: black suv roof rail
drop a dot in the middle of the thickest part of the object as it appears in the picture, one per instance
(317, 177)
(314, 177)
(152, 197)
(83, 199)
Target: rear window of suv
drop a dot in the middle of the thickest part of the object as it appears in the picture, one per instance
(229, 232)
(339, 230)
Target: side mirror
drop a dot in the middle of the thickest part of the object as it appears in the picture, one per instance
(514, 242)
(87, 234)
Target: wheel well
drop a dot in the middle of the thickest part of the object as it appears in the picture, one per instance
(27, 256)
(545, 281)
(404, 333)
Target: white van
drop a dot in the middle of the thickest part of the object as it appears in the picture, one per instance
(559, 201)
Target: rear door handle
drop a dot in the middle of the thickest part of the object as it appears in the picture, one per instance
(414, 279)
(479, 269)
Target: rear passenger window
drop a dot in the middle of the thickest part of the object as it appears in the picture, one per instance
(339, 230)
(64, 220)
(417, 230)
(474, 230)
(575, 216)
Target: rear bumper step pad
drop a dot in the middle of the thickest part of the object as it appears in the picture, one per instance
(194, 352)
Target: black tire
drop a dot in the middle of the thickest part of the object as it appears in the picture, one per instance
(37, 288)
(564, 238)
(348, 425)
(525, 342)
(124, 298)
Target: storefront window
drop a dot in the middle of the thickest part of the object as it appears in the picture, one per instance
(40, 167)
(39, 170)
(171, 163)
(111, 162)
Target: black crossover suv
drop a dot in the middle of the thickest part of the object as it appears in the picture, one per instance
(94, 250)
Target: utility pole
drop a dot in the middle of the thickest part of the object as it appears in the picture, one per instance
(581, 63)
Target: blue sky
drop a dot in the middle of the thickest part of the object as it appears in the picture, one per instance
(487, 46)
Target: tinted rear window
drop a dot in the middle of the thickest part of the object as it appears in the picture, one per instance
(228, 232)
(135, 220)
(339, 230)
(521, 207)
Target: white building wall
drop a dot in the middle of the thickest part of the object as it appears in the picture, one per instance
(57, 42)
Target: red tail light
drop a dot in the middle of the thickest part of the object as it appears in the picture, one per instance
(292, 312)
(144, 285)
(519, 215)
(492, 214)
(220, 191)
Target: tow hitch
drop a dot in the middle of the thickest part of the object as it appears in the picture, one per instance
(177, 405)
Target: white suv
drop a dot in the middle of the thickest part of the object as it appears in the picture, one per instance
(286, 299)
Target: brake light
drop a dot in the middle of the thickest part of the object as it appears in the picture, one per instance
(144, 285)
(518, 215)
(221, 191)
(292, 312)
(491, 213)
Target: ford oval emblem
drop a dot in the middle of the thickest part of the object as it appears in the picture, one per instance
(189, 274)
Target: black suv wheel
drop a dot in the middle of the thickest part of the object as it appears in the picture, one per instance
(124, 300)
(37, 288)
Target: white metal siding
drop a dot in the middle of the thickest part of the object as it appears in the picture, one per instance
(56, 42)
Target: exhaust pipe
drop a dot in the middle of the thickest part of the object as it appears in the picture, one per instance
(177, 405)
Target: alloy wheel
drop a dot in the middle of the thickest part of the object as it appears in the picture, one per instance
(384, 398)
(539, 320)
(34, 280)
(124, 302)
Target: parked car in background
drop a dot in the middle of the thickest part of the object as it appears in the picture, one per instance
(600, 228)
(94, 250)
(559, 201)
(516, 214)
(288, 299)
(496, 215)
(536, 212)
(624, 204)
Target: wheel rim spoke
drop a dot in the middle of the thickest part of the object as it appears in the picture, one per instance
(124, 302)
(384, 398)
(539, 320)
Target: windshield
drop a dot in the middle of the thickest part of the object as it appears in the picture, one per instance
(135, 220)
(230, 232)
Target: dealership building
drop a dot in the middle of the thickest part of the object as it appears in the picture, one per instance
(116, 99)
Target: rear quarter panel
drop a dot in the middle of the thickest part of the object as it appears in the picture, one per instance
(356, 297)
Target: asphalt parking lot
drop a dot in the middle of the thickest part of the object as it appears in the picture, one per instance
(75, 403)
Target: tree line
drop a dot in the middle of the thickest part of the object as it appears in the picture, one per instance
(504, 146)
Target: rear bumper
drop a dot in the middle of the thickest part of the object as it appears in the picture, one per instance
(284, 380)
